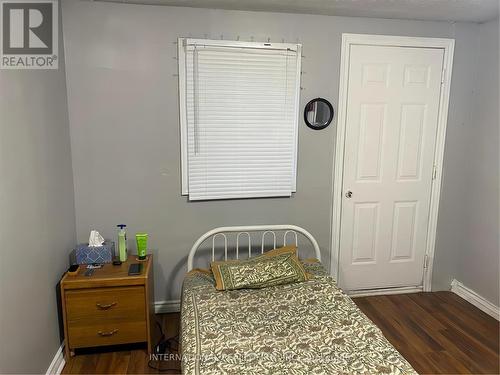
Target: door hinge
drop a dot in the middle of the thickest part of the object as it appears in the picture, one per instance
(426, 261)
(434, 172)
(443, 75)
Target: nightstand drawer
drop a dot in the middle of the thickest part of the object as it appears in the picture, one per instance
(106, 334)
(105, 305)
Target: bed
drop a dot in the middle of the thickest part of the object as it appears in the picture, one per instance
(301, 328)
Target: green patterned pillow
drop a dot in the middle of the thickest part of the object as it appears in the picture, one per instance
(277, 267)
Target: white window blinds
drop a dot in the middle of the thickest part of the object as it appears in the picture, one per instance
(239, 115)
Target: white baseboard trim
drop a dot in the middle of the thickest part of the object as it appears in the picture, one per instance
(165, 307)
(58, 362)
(477, 300)
(383, 292)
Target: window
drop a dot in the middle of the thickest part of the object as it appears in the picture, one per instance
(239, 114)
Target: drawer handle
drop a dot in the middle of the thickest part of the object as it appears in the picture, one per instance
(106, 306)
(110, 333)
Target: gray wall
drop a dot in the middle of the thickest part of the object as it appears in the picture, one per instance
(478, 261)
(468, 237)
(123, 106)
(452, 222)
(37, 221)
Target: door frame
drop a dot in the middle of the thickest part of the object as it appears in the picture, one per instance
(399, 41)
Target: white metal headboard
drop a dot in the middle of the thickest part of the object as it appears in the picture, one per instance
(267, 230)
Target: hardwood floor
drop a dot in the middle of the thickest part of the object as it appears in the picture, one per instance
(436, 332)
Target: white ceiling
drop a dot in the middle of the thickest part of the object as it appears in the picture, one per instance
(435, 10)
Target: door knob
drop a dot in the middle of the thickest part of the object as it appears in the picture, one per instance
(348, 194)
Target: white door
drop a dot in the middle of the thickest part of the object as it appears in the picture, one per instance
(391, 124)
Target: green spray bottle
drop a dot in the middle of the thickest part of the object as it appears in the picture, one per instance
(122, 242)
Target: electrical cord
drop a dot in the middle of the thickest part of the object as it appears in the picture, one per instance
(165, 347)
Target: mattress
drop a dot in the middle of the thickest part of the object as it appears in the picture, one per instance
(303, 328)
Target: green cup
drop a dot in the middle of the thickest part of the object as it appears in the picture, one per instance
(142, 245)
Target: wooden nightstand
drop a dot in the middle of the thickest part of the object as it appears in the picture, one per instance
(109, 307)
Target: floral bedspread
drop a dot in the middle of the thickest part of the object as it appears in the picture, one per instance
(303, 328)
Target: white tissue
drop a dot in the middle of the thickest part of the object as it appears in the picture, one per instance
(95, 239)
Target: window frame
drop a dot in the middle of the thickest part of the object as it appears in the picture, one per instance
(181, 44)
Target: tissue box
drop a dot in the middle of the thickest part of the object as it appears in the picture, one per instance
(86, 254)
